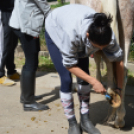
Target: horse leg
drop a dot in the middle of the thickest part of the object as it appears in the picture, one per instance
(120, 114)
(126, 24)
(97, 58)
(110, 73)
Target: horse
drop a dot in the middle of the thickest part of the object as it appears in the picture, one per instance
(122, 26)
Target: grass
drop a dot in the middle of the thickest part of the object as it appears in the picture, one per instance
(131, 53)
(131, 57)
(130, 80)
(59, 5)
(45, 64)
(19, 62)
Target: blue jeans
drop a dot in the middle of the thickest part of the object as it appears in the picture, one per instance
(65, 75)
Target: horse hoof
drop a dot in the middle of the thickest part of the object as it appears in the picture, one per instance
(119, 124)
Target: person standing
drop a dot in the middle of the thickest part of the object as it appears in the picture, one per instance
(26, 21)
(1, 38)
(73, 33)
(8, 44)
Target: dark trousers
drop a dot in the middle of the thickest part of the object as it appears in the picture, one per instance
(10, 43)
(65, 75)
(31, 47)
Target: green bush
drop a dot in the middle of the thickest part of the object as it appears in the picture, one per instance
(59, 5)
(61, 1)
(131, 52)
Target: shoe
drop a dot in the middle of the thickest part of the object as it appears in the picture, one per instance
(73, 127)
(35, 107)
(6, 82)
(15, 76)
(36, 98)
(87, 125)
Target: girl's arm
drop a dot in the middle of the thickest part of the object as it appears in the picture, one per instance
(97, 86)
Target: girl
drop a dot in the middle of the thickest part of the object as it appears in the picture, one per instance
(74, 32)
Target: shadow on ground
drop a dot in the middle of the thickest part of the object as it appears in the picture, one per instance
(54, 93)
(100, 110)
(40, 73)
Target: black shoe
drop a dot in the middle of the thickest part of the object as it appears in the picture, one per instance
(35, 107)
(87, 125)
(73, 127)
(36, 98)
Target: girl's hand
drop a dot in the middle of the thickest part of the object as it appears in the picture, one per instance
(98, 87)
(118, 92)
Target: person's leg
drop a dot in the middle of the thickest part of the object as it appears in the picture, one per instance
(31, 47)
(66, 82)
(83, 87)
(11, 72)
(1, 39)
(5, 47)
(10, 43)
(84, 98)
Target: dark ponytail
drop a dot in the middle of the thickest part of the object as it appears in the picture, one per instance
(101, 20)
(100, 31)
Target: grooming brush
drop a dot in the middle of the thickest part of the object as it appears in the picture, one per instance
(114, 99)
